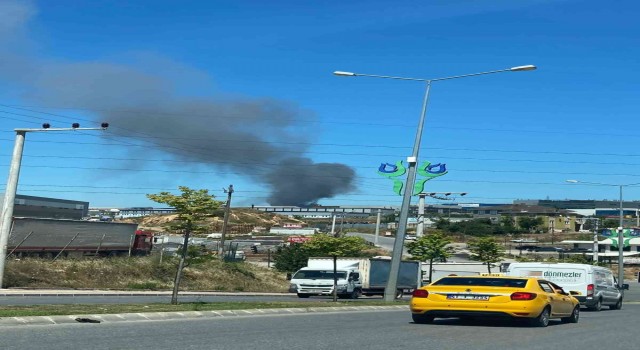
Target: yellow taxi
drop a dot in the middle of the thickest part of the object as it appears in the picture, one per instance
(535, 300)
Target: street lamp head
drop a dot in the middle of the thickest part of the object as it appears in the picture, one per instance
(46, 126)
(523, 68)
(104, 125)
(344, 74)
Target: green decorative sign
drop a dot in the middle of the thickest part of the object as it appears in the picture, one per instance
(427, 170)
(627, 235)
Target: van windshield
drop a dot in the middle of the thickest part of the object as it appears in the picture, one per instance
(319, 275)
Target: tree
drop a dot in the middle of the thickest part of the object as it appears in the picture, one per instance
(388, 218)
(476, 227)
(295, 256)
(290, 258)
(325, 245)
(192, 207)
(610, 223)
(530, 224)
(508, 224)
(429, 248)
(442, 224)
(487, 250)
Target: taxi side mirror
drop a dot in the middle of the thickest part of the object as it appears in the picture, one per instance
(625, 286)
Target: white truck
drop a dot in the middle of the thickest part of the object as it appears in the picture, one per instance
(355, 277)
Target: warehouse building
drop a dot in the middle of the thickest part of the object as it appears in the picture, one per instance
(49, 208)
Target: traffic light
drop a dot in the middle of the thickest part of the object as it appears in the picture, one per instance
(254, 249)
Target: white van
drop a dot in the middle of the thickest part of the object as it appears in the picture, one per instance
(593, 286)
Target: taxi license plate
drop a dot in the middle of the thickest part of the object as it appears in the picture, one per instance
(467, 297)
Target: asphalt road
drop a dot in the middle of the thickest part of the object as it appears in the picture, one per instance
(380, 330)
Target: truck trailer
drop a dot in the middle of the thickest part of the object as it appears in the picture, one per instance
(52, 238)
(356, 276)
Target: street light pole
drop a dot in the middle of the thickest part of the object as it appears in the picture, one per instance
(12, 186)
(398, 244)
(396, 257)
(620, 227)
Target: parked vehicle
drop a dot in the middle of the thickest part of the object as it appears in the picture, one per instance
(548, 249)
(526, 298)
(593, 286)
(51, 238)
(356, 276)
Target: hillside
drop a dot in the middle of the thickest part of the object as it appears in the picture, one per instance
(244, 217)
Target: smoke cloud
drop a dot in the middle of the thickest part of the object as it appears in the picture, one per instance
(240, 134)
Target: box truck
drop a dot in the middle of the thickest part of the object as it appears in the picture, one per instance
(355, 277)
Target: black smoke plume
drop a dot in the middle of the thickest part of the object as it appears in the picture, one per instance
(257, 138)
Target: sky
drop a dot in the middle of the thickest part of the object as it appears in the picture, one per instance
(206, 94)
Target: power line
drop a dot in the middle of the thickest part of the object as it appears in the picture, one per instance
(319, 176)
(371, 167)
(314, 121)
(366, 146)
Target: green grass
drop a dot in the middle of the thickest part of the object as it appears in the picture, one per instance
(141, 273)
(82, 309)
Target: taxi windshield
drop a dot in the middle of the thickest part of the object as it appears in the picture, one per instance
(481, 282)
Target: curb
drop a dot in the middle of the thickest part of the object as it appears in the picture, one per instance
(183, 315)
(136, 294)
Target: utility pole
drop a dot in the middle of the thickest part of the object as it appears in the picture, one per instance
(421, 206)
(333, 225)
(12, 185)
(621, 244)
(420, 227)
(595, 244)
(375, 238)
(227, 210)
(552, 227)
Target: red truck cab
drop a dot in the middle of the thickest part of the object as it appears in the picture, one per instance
(142, 243)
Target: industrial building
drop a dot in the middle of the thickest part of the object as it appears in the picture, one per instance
(49, 208)
(325, 212)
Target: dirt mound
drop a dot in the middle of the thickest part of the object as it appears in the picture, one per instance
(245, 217)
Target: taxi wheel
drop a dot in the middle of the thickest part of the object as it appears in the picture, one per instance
(422, 319)
(575, 316)
(543, 319)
